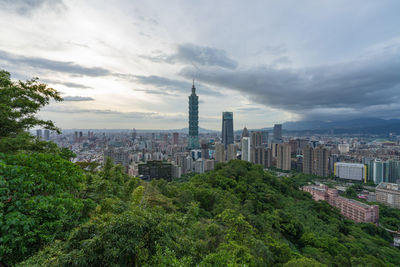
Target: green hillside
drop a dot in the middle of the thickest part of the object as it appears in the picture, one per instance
(237, 215)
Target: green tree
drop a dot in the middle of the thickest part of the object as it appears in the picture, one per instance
(39, 202)
(19, 104)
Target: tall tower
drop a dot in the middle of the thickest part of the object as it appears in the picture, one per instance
(227, 128)
(278, 133)
(193, 120)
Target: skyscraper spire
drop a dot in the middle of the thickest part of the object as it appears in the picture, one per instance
(193, 88)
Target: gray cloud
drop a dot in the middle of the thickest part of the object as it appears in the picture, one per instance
(103, 112)
(68, 84)
(249, 109)
(77, 98)
(169, 86)
(53, 65)
(369, 84)
(155, 92)
(195, 55)
(26, 7)
(275, 50)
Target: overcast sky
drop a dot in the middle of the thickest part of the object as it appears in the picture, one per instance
(130, 64)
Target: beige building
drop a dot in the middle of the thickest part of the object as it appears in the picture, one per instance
(256, 139)
(388, 194)
(283, 157)
(231, 153)
(246, 148)
(219, 153)
(257, 155)
(316, 161)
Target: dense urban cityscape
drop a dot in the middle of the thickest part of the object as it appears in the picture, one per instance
(168, 155)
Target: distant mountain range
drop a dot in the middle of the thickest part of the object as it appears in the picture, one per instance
(363, 125)
(354, 126)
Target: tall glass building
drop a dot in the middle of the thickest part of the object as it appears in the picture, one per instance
(193, 120)
(227, 128)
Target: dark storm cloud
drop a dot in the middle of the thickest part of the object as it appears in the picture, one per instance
(195, 55)
(25, 7)
(168, 86)
(78, 98)
(53, 65)
(361, 85)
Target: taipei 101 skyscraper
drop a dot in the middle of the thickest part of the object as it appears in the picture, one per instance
(193, 120)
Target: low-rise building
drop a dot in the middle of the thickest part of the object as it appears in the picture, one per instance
(351, 171)
(352, 209)
(155, 169)
(388, 194)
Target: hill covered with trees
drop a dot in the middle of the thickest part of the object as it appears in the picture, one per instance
(54, 213)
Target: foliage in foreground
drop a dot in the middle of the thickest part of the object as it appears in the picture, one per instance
(39, 202)
(235, 215)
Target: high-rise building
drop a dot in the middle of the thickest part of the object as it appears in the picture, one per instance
(193, 119)
(46, 135)
(39, 134)
(257, 155)
(76, 138)
(195, 153)
(209, 165)
(274, 149)
(380, 171)
(278, 132)
(118, 156)
(393, 167)
(227, 128)
(283, 159)
(308, 160)
(181, 161)
(205, 153)
(175, 138)
(246, 148)
(316, 161)
(268, 158)
(133, 134)
(256, 139)
(219, 152)
(321, 161)
(245, 132)
(231, 152)
(264, 135)
(176, 171)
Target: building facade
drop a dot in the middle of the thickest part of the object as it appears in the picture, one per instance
(231, 152)
(352, 209)
(283, 159)
(351, 171)
(219, 152)
(155, 170)
(278, 133)
(388, 194)
(246, 148)
(227, 128)
(316, 161)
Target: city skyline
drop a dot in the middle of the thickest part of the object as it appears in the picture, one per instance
(125, 64)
